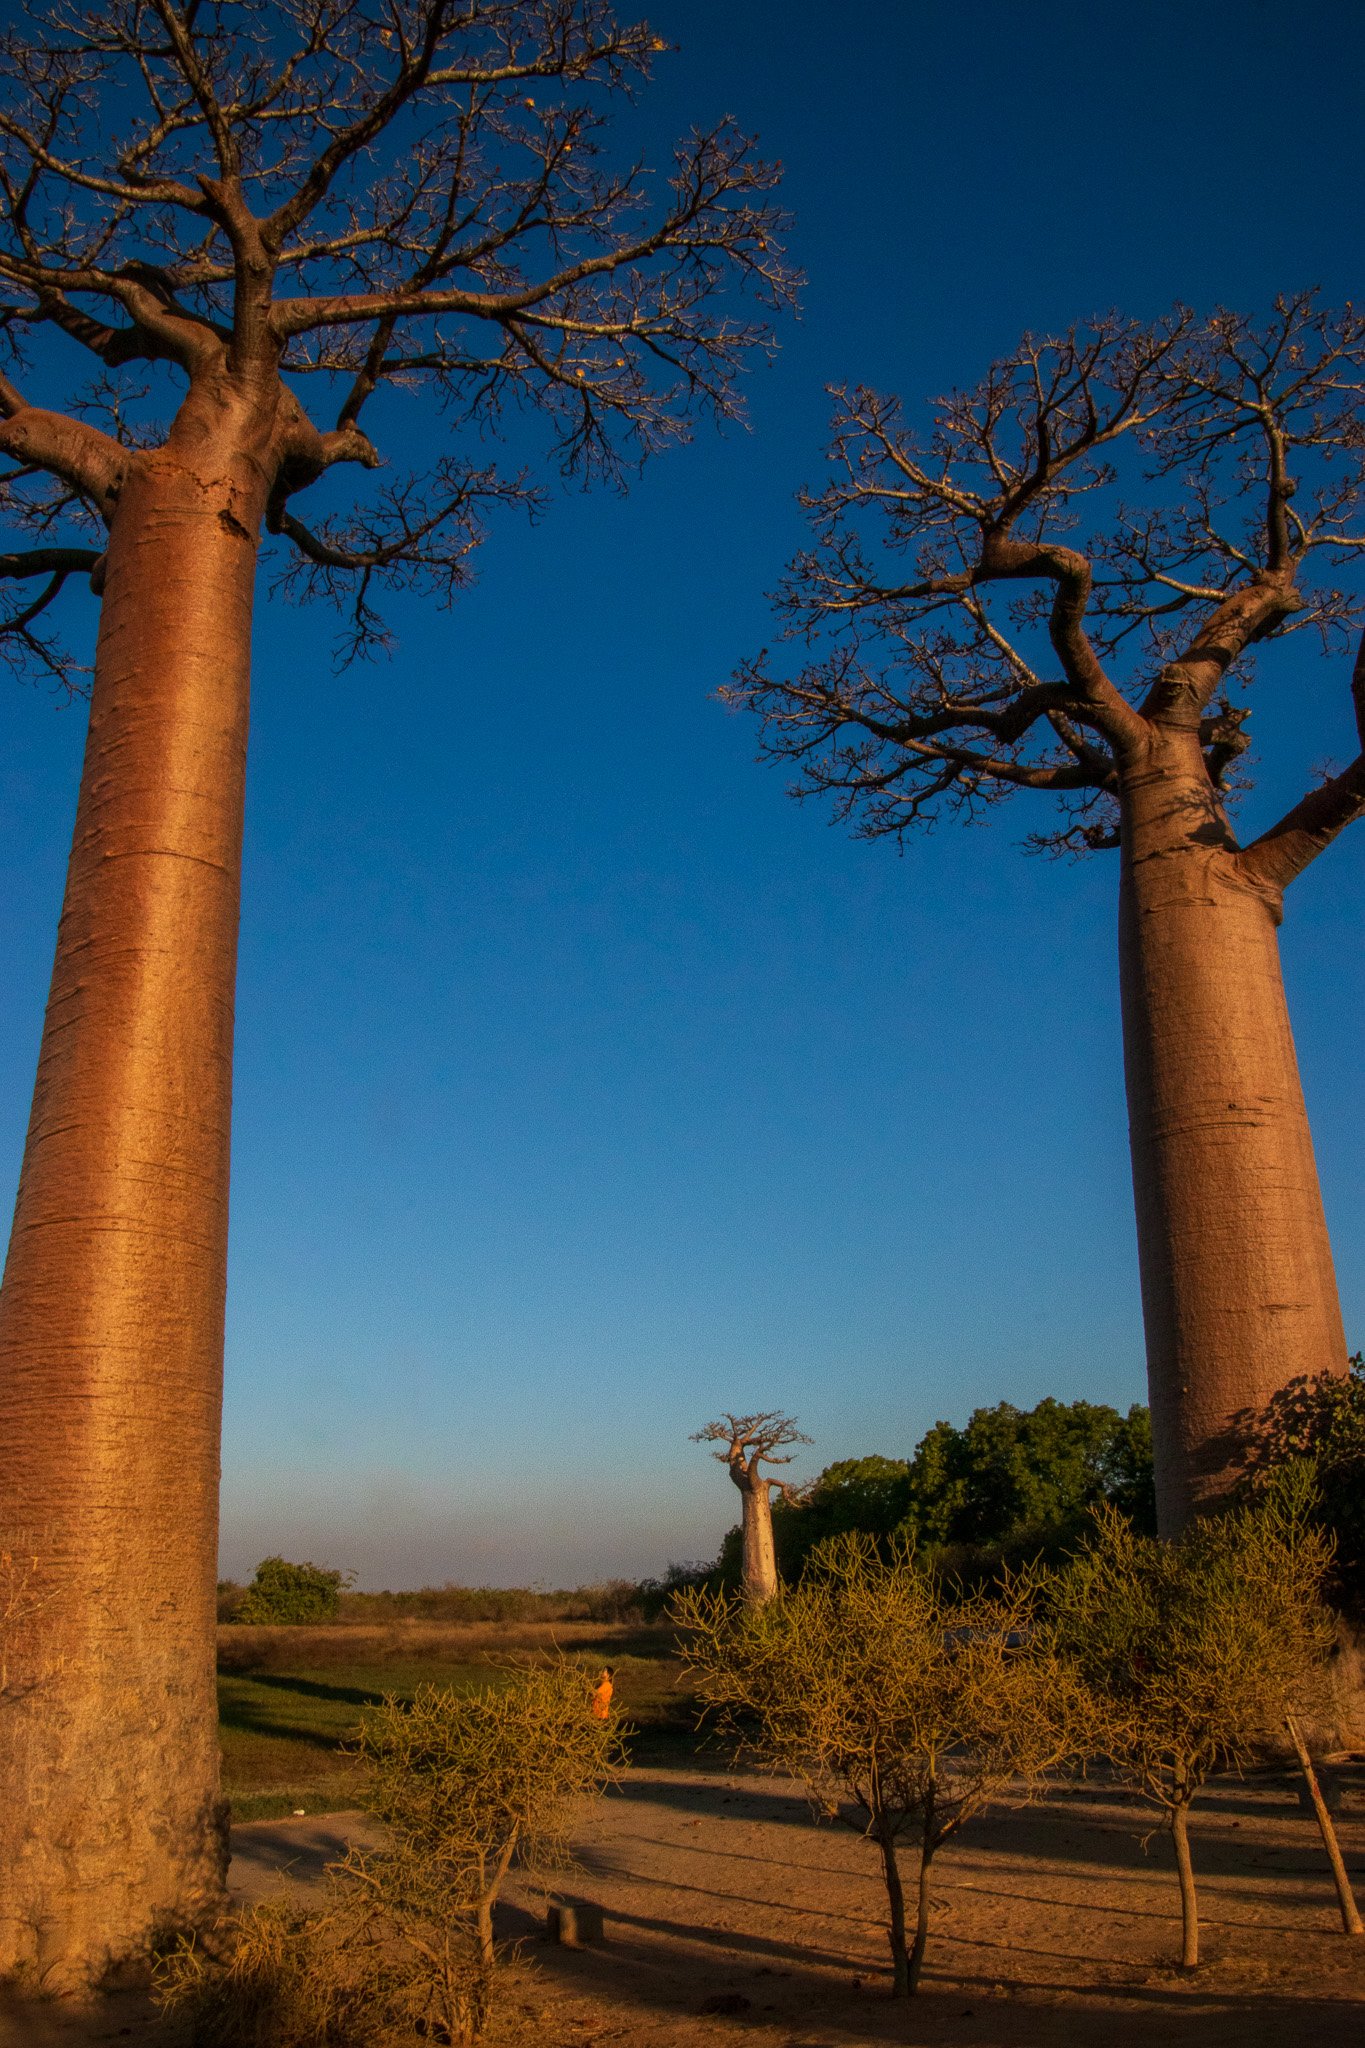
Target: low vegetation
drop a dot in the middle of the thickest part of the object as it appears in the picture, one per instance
(464, 1783)
(1194, 1651)
(903, 1708)
(288, 1595)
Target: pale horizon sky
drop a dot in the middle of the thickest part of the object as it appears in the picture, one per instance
(586, 1085)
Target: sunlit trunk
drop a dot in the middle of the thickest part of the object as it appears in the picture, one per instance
(760, 1556)
(1238, 1290)
(111, 1311)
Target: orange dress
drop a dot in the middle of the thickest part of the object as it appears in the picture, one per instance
(601, 1699)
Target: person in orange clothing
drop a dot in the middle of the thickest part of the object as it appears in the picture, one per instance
(601, 1695)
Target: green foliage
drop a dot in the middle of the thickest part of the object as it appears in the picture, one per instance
(613, 1600)
(1010, 1472)
(656, 1596)
(284, 1592)
(1320, 1424)
(869, 1496)
(902, 1708)
(1009, 1485)
(1194, 1650)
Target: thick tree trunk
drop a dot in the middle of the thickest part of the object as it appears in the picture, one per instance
(760, 1556)
(111, 1311)
(1238, 1290)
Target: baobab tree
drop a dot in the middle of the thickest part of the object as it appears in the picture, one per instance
(746, 1442)
(1059, 587)
(213, 211)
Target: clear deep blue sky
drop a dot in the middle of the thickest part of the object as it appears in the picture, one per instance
(585, 1084)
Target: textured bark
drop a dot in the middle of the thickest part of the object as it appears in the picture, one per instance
(760, 1557)
(1238, 1290)
(111, 1311)
(923, 1908)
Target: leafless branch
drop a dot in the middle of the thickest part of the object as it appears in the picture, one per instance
(1086, 546)
(420, 198)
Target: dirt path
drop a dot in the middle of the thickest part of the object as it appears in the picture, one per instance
(731, 1916)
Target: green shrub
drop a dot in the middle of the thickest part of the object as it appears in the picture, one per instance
(1320, 1424)
(284, 1592)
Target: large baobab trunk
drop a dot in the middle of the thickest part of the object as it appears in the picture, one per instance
(1238, 1290)
(111, 1312)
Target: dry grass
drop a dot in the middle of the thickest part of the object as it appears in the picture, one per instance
(290, 1699)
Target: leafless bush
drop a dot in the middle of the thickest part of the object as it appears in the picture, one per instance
(283, 1977)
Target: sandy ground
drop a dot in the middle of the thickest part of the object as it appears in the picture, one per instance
(730, 1915)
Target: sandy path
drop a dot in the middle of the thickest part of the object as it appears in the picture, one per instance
(730, 1914)
(1053, 1925)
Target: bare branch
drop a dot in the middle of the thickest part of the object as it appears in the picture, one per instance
(1286, 849)
(968, 612)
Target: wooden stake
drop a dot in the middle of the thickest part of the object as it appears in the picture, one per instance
(1350, 1915)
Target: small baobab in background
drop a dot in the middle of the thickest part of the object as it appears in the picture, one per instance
(747, 1442)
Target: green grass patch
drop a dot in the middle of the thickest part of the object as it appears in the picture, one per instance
(283, 1732)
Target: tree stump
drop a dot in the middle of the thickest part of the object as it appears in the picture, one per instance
(573, 1923)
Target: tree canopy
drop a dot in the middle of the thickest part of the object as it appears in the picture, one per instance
(1008, 1479)
(1084, 547)
(414, 197)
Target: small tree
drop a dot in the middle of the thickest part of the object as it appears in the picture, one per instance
(284, 1592)
(463, 1783)
(903, 1710)
(746, 1442)
(1195, 1651)
(402, 1942)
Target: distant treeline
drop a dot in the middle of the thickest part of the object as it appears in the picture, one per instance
(278, 1602)
(1011, 1484)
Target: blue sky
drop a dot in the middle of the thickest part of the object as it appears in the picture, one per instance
(585, 1084)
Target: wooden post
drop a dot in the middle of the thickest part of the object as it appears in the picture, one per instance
(1350, 1915)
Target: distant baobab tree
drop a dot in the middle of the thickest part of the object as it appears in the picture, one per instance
(1058, 587)
(746, 1442)
(209, 210)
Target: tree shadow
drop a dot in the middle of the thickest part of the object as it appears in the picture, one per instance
(846, 1994)
(245, 1716)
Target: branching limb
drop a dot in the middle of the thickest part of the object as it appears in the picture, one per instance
(1286, 849)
